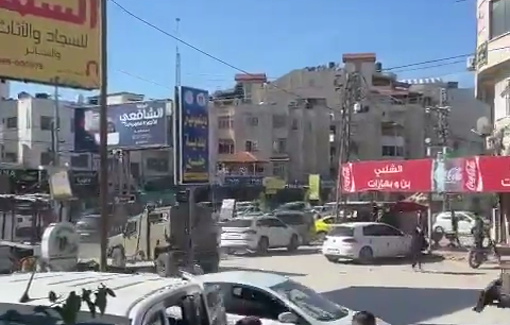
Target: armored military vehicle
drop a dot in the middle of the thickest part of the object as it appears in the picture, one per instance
(166, 229)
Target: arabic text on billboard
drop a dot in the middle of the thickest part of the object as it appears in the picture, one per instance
(51, 41)
(194, 136)
(130, 126)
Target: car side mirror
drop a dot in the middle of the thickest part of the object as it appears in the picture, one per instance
(288, 318)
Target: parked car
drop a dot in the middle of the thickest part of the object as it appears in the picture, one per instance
(443, 223)
(323, 226)
(275, 299)
(302, 222)
(365, 241)
(294, 206)
(258, 233)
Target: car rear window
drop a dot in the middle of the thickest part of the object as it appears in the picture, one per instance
(291, 219)
(237, 223)
(342, 231)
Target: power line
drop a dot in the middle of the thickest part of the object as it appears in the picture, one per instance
(148, 23)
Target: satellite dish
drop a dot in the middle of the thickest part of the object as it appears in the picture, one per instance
(483, 126)
(59, 247)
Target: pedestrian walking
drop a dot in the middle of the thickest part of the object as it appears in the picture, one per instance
(455, 229)
(364, 318)
(418, 243)
(478, 232)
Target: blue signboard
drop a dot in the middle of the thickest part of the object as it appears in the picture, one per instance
(130, 126)
(193, 136)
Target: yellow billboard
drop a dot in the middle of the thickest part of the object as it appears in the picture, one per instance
(51, 42)
(314, 184)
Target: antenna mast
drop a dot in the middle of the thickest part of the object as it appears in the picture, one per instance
(177, 55)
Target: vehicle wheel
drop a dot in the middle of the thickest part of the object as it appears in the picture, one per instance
(293, 244)
(263, 245)
(438, 234)
(118, 257)
(475, 259)
(366, 255)
(332, 259)
(321, 236)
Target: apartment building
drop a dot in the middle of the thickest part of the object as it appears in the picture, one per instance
(492, 67)
(260, 130)
(491, 64)
(391, 121)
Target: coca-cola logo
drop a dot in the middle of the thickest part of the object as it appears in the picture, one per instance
(472, 175)
(346, 176)
(454, 175)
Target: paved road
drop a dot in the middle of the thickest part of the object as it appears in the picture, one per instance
(443, 294)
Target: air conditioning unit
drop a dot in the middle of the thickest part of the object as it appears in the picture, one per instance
(471, 63)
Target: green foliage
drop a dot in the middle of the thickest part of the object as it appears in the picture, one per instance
(69, 307)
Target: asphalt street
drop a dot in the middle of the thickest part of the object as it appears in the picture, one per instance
(444, 293)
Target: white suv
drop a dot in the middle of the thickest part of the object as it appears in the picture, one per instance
(257, 233)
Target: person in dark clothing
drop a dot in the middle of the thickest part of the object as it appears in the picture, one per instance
(478, 232)
(417, 246)
(455, 229)
(364, 318)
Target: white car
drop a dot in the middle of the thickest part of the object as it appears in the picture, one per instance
(275, 299)
(443, 222)
(258, 233)
(364, 241)
(140, 299)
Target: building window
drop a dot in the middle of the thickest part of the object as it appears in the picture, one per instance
(392, 151)
(225, 122)
(12, 122)
(46, 158)
(225, 146)
(80, 161)
(392, 130)
(251, 146)
(252, 121)
(280, 169)
(280, 145)
(11, 157)
(279, 121)
(46, 123)
(499, 18)
(159, 165)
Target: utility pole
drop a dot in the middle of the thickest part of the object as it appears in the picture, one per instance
(55, 127)
(103, 139)
(351, 96)
(441, 113)
(190, 191)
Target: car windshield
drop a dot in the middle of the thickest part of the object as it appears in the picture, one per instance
(237, 223)
(310, 302)
(88, 223)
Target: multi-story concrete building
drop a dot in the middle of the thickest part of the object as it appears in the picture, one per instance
(491, 64)
(392, 122)
(261, 130)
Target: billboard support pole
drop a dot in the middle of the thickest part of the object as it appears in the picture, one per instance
(191, 215)
(56, 127)
(103, 142)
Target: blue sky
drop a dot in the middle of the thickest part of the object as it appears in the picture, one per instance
(277, 36)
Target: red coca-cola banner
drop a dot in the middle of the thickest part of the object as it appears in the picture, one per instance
(495, 173)
(458, 175)
(388, 176)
